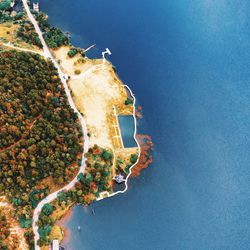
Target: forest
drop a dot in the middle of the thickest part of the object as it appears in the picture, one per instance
(53, 36)
(26, 32)
(40, 135)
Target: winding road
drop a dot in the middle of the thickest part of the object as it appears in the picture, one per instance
(63, 78)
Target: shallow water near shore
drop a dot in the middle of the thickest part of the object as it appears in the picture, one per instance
(188, 63)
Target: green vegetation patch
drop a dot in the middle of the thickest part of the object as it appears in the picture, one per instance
(129, 101)
(25, 223)
(4, 5)
(26, 32)
(54, 37)
(72, 52)
(133, 158)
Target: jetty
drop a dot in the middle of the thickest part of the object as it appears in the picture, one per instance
(89, 48)
(107, 51)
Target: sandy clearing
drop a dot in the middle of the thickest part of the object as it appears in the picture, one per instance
(95, 96)
(8, 30)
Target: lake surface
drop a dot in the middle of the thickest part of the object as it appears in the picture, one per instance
(127, 127)
(188, 63)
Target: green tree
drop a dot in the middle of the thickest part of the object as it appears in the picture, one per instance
(133, 158)
(107, 155)
(47, 209)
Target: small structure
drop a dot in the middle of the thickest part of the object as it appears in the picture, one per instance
(107, 51)
(55, 245)
(119, 178)
(36, 7)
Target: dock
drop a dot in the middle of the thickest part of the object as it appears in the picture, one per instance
(89, 48)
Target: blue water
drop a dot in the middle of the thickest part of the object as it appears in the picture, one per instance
(188, 62)
(127, 127)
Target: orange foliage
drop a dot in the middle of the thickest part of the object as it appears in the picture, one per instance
(13, 128)
(97, 151)
(78, 185)
(138, 113)
(8, 106)
(93, 187)
(146, 158)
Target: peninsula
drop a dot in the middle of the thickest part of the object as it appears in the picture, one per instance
(61, 142)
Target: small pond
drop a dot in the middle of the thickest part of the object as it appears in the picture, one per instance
(127, 126)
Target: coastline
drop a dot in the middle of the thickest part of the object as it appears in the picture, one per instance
(138, 145)
(188, 69)
(107, 69)
(65, 217)
(61, 223)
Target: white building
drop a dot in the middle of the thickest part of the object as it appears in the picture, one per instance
(36, 7)
(119, 178)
